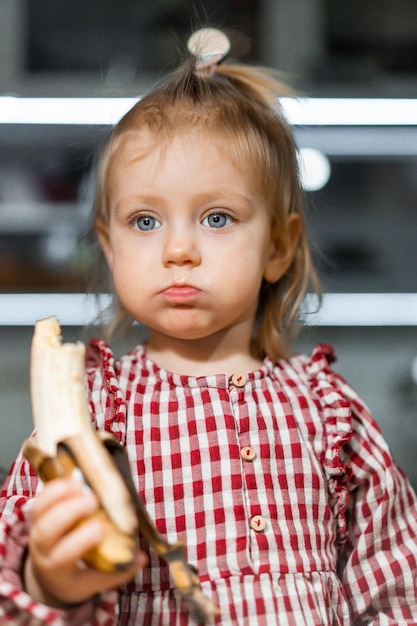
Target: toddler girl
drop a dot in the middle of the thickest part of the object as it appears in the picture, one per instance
(268, 465)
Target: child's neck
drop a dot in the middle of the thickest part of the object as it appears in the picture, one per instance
(202, 357)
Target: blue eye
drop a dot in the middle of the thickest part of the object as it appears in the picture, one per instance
(217, 220)
(146, 223)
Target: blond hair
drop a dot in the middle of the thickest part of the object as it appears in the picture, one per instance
(240, 105)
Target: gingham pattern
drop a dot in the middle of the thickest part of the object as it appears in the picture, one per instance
(322, 479)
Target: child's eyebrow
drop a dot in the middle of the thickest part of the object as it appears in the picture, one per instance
(139, 201)
(206, 197)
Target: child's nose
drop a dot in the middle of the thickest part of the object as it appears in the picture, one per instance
(181, 247)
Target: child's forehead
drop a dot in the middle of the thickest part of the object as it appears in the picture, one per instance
(183, 149)
(145, 142)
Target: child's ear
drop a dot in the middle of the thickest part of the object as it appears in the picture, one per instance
(103, 237)
(284, 243)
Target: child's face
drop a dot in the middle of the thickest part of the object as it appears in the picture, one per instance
(189, 238)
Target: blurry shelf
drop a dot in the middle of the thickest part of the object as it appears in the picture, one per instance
(338, 309)
(41, 217)
(366, 309)
(356, 141)
(72, 309)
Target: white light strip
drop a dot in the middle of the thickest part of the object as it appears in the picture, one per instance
(72, 309)
(351, 111)
(85, 111)
(339, 309)
(300, 112)
(366, 309)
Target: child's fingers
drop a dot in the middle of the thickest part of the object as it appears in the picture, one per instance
(54, 491)
(60, 520)
(70, 547)
(57, 514)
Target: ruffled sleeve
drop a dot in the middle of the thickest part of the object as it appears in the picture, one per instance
(337, 418)
(374, 503)
(107, 402)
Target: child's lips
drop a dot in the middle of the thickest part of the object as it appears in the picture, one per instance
(181, 293)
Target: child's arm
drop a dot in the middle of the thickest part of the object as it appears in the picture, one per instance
(380, 571)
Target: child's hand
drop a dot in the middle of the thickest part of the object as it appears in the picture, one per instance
(53, 572)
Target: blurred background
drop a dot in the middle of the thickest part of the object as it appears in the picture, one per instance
(355, 60)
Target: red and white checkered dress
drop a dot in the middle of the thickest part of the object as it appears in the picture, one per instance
(280, 483)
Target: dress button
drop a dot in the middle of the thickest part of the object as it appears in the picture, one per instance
(247, 453)
(258, 523)
(239, 380)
